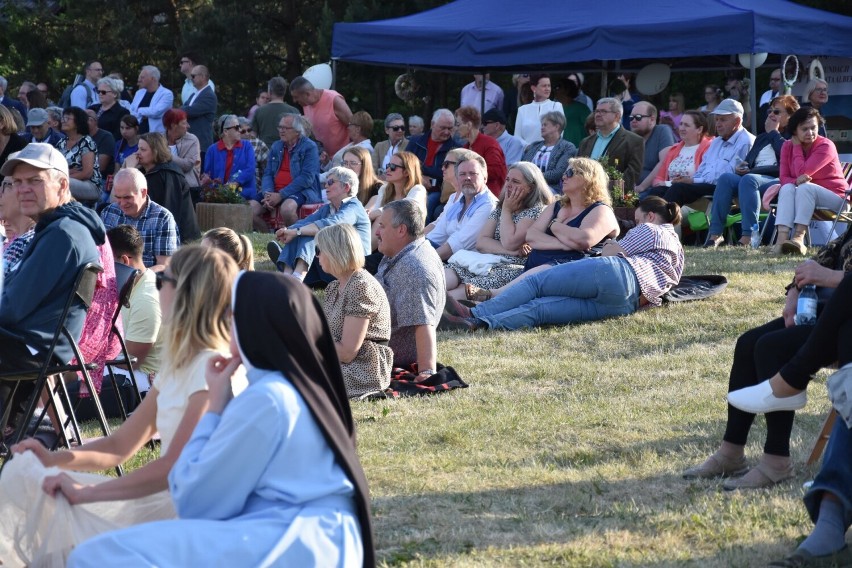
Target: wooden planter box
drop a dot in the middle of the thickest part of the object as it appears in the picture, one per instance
(236, 216)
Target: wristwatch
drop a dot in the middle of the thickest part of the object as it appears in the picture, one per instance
(298, 231)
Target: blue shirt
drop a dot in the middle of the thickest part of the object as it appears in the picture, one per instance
(723, 156)
(601, 143)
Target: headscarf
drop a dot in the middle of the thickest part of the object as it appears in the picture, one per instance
(280, 326)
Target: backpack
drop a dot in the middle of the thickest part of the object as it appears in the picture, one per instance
(65, 99)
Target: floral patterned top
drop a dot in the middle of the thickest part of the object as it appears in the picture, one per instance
(74, 156)
(531, 213)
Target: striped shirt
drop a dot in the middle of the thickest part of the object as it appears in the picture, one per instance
(656, 256)
(155, 224)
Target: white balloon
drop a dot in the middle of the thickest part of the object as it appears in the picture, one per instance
(745, 59)
(319, 75)
(653, 78)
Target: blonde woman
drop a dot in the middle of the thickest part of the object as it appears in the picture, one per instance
(360, 161)
(237, 246)
(195, 294)
(404, 181)
(357, 310)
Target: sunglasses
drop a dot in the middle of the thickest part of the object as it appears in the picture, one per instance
(236, 126)
(775, 110)
(569, 173)
(163, 278)
(103, 92)
(394, 167)
(330, 182)
(638, 117)
(448, 163)
(396, 128)
(245, 130)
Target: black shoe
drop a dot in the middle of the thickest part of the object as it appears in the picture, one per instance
(713, 243)
(273, 249)
(450, 322)
(455, 308)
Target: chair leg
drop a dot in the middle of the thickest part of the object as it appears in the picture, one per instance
(822, 439)
(117, 393)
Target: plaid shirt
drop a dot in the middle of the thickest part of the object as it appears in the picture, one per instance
(261, 153)
(156, 225)
(655, 254)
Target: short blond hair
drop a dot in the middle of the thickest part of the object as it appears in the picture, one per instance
(341, 246)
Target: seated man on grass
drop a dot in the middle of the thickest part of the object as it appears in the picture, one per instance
(413, 278)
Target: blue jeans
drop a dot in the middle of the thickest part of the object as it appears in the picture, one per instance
(299, 248)
(835, 475)
(585, 290)
(749, 188)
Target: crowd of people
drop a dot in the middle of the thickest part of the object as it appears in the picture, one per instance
(458, 226)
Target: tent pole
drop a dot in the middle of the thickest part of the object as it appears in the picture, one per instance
(752, 93)
(482, 98)
(333, 73)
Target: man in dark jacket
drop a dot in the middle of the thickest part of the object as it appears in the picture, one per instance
(432, 147)
(66, 238)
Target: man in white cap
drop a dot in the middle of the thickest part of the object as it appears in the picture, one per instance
(67, 236)
(727, 150)
(39, 130)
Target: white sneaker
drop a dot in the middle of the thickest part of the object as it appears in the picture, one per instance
(759, 399)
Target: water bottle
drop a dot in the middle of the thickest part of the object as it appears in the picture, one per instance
(755, 236)
(235, 176)
(806, 308)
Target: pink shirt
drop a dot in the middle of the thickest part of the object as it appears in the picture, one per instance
(327, 127)
(821, 163)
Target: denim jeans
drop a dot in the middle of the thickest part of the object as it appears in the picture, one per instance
(585, 290)
(749, 188)
(304, 248)
(835, 475)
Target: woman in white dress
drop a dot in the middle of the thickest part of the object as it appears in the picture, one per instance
(45, 511)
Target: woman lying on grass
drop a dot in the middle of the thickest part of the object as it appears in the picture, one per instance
(629, 274)
(44, 512)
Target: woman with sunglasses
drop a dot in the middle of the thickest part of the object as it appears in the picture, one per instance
(229, 159)
(630, 274)
(109, 109)
(297, 252)
(570, 229)
(754, 175)
(195, 294)
(404, 181)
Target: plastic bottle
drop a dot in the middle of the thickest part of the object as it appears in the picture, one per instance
(755, 236)
(806, 307)
(235, 176)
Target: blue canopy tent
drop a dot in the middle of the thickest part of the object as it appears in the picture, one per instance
(467, 35)
(616, 35)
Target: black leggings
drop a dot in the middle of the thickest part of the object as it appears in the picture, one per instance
(830, 340)
(760, 353)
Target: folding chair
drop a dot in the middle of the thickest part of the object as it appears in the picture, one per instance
(125, 279)
(82, 291)
(822, 438)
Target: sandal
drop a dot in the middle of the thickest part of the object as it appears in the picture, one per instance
(476, 294)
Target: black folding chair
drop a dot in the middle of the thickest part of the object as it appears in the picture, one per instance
(82, 292)
(125, 279)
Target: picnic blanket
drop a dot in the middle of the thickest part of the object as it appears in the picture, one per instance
(402, 383)
(696, 288)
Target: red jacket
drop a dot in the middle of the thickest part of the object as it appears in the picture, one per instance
(490, 149)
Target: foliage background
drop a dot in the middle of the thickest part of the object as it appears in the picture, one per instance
(244, 42)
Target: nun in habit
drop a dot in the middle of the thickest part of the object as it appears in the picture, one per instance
(270, 477)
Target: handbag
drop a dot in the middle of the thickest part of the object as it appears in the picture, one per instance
(839, 387)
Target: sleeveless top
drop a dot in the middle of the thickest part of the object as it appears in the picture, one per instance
(538, 257)
(327, 127)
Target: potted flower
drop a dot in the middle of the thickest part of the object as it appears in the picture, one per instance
(623, 202)
(223, 205)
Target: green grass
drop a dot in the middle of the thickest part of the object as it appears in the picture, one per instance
(568, 446)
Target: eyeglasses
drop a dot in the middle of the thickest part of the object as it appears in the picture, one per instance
(820, 90)
(330, 182)
(285, 128)
(447, 164)
(394, 167)
(351, 164)
(163, 278)
(231, 127)
(245, 130)
(569, 173)
(100, 92)
(775, 110)
(397, 128)
(603, 110)
(463, 175)
(638, 117)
